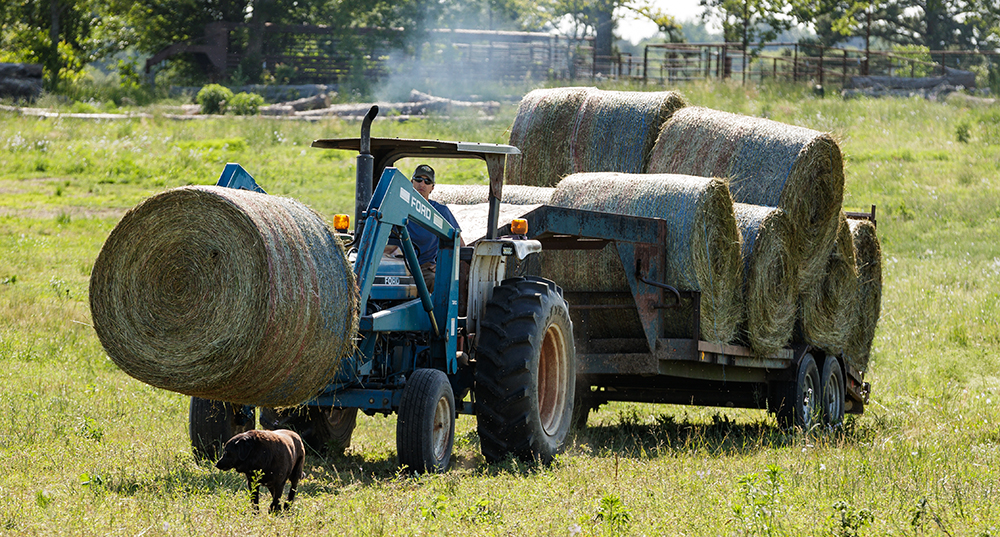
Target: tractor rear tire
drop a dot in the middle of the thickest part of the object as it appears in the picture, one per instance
(833, 392)
(326, 430)
(212, 423)
(425, 426)
(525, 371)
(798, 402)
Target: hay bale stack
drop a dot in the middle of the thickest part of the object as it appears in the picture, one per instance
(868, 306)
(475, 194)
(770, 277)
(828, 308)
(767, 163)
(573, 130)
(225, 294)
(703, 243)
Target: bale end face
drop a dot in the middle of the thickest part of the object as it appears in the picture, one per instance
(225, 294)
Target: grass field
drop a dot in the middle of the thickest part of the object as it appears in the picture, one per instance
(86, 450)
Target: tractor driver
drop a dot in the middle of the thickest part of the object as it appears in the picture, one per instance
(425, 242)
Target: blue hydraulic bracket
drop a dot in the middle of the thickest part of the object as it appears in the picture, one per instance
(234, 176)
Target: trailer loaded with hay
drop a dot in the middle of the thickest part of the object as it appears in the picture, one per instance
(703, 259)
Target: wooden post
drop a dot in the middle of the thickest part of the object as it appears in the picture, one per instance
(645, 64)
(821, 65)
(795, 64)
(843, 77)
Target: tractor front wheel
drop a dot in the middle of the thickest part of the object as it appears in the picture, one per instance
(425, 427)
(525, 371)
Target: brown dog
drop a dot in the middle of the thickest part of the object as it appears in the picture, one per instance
(267, 458)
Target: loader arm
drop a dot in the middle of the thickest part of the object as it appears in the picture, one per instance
(393, 205)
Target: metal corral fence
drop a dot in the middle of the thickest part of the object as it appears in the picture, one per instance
(319, 54)
(503, 55)
(678, 62)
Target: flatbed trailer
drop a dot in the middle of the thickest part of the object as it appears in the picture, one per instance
(669, 363)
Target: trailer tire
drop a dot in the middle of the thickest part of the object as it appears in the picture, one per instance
(325, 430)
(425, 426)
(798, 402)
(212, 423)
(833, 392)
(525, 371)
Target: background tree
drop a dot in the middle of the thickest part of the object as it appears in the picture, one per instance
(156, 24)
(59, 34)
(934, 24)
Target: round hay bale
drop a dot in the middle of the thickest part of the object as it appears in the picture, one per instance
(542, 131)
(767, 163)
(476, 194)
(770, 277)
(828, 308)
(868, 306)
(572, 130)
(703, 243)
(616, 130)
(225, 294)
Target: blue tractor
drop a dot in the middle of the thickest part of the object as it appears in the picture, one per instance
(483, 344)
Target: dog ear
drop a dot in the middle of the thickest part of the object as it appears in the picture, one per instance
(244, 447)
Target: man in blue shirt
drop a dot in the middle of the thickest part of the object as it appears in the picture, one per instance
(425, 242)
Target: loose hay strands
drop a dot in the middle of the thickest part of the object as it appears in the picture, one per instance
(770, 276)
(703, 243)
(570, 130)
(225, 294)
(868, 255)
(767, 163)
(475, 194)
(827, 309)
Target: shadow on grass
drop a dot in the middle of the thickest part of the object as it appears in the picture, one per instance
(635, 437)
(632, 436)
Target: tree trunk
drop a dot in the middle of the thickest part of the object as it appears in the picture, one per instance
(603, 40)
(53, 63)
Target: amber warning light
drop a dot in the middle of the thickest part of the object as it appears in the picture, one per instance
(519, 226)
(341, 222)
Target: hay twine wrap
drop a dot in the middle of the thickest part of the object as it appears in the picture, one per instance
(703, 243)
(868, 256)
(828, 308)
(767, 163)
(475, 194)
(771, 268)
(571, 130)
(225, 294)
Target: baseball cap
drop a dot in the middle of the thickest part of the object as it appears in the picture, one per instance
(424, 171)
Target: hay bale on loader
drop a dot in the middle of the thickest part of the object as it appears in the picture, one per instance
(767, 163)
(770, 277)
(827, 309)
(225, 294)
(572, 130)
(703, 243)
(868, 305)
